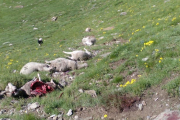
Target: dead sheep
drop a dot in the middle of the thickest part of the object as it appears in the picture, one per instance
(28, 89)
(89, 40)
(79, 55)
(34, 66)
(63, 64)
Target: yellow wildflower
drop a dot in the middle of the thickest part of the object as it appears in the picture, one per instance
(143, 26)
(105, 116)
(136, 55)
(9, 63)
(156, 50)
(174, 18)
(139, 75)
(157, 23)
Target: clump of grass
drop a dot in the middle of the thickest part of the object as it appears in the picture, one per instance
(28, 117)
(117, 79)
(173, 87)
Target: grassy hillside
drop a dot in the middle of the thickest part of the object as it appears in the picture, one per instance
(148, 54)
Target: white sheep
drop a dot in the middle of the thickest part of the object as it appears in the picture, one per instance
(79, 55)
(34, 66)
(89, 40)
(63, 64)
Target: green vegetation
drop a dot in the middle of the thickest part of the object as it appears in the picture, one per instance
(149, 30)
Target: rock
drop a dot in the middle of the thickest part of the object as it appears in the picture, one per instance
(76, 117)
(123, 13)
(81, 90)
(10, 44)
(155, 99)
(145, 59)
(54, 18)
(70, 112)
(140, 107)
(33, 106)
(35, 28)
(88, 30)
(148, 117)
(169, 115)
(143, 103)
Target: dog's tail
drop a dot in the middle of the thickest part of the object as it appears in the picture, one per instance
(67, 52)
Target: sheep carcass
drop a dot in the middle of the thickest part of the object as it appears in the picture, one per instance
(79, 55)
(34, 66)
(63, 64)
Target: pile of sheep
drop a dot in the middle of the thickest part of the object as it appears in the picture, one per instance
(63, 64)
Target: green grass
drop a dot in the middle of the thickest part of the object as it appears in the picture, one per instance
(145, 21)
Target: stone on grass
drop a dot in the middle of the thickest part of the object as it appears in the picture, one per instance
(70, 112)
(54, 18)
(88, 30)
(33, 106)
(145, 59)
(140, 107)
(123, 13)
(81, 90)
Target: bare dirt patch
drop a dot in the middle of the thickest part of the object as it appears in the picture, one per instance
(109, 28)
(115, 65)
(156, 99)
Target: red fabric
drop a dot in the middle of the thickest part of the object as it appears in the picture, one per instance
(39, 88)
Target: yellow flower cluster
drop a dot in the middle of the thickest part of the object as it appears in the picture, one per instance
(174, 18)
(146, 65)
(160, 59)
(148, 43)
(128, 83)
